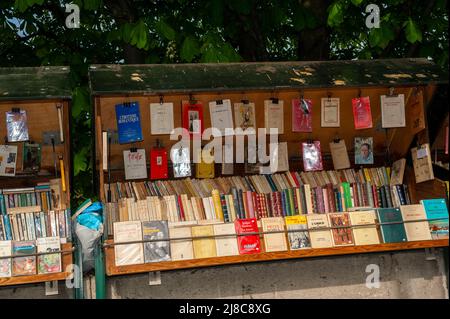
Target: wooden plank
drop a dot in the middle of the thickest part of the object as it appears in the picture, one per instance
(112, 270)
(20, 280)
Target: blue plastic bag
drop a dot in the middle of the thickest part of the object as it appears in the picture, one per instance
(92, 217)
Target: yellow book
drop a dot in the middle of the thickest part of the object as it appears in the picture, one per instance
(204, 247)
(205, 168)
(300, 239)
(217, 204)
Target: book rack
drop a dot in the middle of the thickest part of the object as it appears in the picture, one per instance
(417, 79)
(45, 94)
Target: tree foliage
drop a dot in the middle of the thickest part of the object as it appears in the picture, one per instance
(33, 32)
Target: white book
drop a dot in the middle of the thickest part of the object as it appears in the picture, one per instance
(135, 164)
(393, 111)
(181, 249)
(128, 254)
(274, 116)
(226, 245)
(415, 230)
(221, 117)
(330, 112)
(161, 118)
(5, 263)
(8, 159)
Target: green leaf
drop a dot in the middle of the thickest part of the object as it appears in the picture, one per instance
(189, 49)
(412, 31)
(241, 6)
(298, 19)
(357, 2)
(80, 161)
(335, 15)
(216, 10)
(80, 101)
(165, 30)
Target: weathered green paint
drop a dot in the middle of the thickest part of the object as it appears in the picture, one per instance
(187, 78)
(46, 82)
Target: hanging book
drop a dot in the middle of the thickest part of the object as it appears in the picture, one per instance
(282, 157)
(302, 115)
(362, 113)
(330, 112)
(31, 157)
(181, 161)
(158, 249)
(8, 158)
(135, 164)
(393, 111)
(339, 154)
(158, 163)
(128, 122)
(363, 150)
(244, 116)
(221, 117)
(312, 156)
(205, 167)
(397, 172)
(274, 116)
(17, 125)
(161, 118)
(192, 118)
(423, 167)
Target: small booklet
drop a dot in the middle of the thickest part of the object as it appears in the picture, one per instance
(31, 157)
(17, 126)
(301, 115)
(423, 167)
(330, 112)
(8, 158)
(362, 113)
(363, 150)
(128, 122)
(161, 118)
(135, 164)
(181, 161)
(312, 156)
(339, 155)
(274, 116)
(393, 111)
(221, 117)
(244, 116)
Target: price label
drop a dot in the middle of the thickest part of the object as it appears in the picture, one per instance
(421, 153)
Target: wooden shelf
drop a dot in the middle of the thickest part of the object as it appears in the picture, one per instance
(113, 270)
(20, 280)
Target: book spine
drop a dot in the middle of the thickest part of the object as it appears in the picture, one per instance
(223, 202)
(217, 204)
(242, 212)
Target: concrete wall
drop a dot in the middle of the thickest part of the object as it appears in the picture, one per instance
(402, 274)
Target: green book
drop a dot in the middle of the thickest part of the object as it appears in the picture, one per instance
(291, 201)
(392, 233)
(31, 157)
(347, 195)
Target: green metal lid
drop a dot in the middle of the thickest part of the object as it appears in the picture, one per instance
(30, 83)
(201, 77)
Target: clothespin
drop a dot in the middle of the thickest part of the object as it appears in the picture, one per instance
(158, 143)
(359, 93)
(6, 141)
(191, 99)
(15, 109)
(301, 94)
(329, 96)
(336, 139)
(133, 149)
(391, 92)
(219, 102)
(161, 100)
(274, 100)
(245, 101)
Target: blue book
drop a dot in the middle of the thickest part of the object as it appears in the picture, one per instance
(7, 224)
(437, 208)
(392, 233)
(128, 122)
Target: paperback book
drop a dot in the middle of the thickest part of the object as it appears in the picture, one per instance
(128, 122)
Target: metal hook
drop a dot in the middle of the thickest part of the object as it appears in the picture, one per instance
(161, 99)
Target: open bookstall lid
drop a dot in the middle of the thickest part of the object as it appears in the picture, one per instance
(204, 77)
(35, 83)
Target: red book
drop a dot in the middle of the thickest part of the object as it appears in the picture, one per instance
(294, 177)
(158, 163)
(362, 113)
(249, 244)
(193, 118)
(301, 115)
(249, 200)
(180, 203)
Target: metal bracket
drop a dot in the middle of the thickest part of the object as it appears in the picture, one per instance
(51, 288)
(47, 138)
(114, 135)
(154, 278)
(430, 253)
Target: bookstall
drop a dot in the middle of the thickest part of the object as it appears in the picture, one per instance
(348, 137)
(35, 175)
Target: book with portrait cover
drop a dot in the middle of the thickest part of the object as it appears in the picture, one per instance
(342, 235)
(192, 118)
(394, 232)
(25, 265)
(156, 250)
(302, 115)
(362, 113)
(363, 150)
(128, 122)
(248, 244)
(49, 263)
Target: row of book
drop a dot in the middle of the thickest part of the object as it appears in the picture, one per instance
(239, 204)
(47, 196)
(33, 225)
(161, 241)
(24, 260)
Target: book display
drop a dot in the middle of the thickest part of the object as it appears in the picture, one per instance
(35, 175)
(336, 189)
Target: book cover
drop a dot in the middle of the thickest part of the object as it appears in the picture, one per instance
(25, 265)
(312, 156)
(273, 115)
(302, 115)
(128, 122)
(319, 231)
(339, 154)
(393, 111)
(437, 215)
(205, 166)
(363, 150)
(330, 112)
(247, 244)
(8, 159)
(17, 125)
(244, 116)
(156, 250)
(342, 235)
(158, 163)
(362, 113)
(221, 117)
(226, 245)
(181, 161)
(364, 229)
(192, 119)
(297, 239)
(57, 197)
(5, 263)
(31, 157)
(276, 241)
(203, 247)
(415, 230)
(395, 232)
(397, 172)
(128, 254)
(135, 164)
(50, 263)
(161, 118)
(422, 163)
(181, 243)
